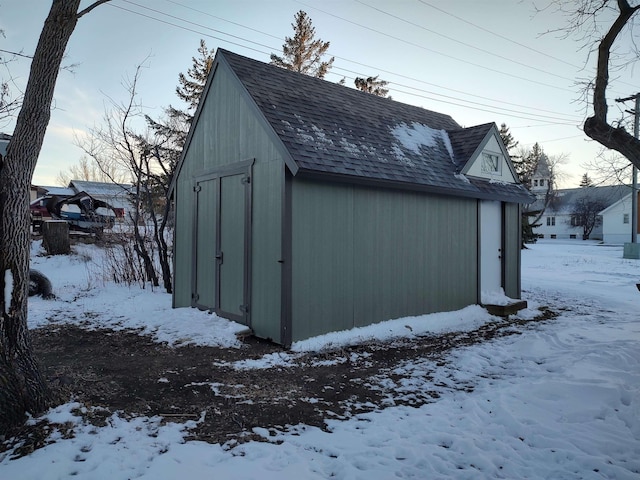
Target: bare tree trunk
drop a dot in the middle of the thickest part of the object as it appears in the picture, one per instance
(163, 250)
(22, 387)
(597, 127)
(139, 245)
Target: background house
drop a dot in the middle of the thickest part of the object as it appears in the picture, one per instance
(119, 196)
(561, 219)
(304, 207)
(616, 221)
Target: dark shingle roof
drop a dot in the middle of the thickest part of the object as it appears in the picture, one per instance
(331, 129)
(465, 141)
(564, 200)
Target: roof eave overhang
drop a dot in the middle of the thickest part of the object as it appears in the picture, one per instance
(306, 174)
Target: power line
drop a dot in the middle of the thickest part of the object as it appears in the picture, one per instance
(16, 53)
(224, 19)
(187, 29)
(468, 45)
(496, 110)
(345, 59)
(422, 47)
(491, 32)
(191, 23)
(489, 109)
(575, 117)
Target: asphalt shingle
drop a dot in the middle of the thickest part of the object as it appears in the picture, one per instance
(330, 128)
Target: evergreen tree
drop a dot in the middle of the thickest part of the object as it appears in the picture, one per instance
(372, 85)
(170, 132)
(529, 162)
(191, 85)
(303, 53)
(586, 181)
(509, 142)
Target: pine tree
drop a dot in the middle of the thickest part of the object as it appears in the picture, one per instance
(192, 85)
(529, 162)
(303, 53)
(173, 129)
(372, 85)
(509, 142)
(586, 181)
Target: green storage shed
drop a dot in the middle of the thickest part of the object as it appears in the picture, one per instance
(304, 207)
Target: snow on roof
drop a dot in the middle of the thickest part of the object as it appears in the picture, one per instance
(416, 136)
(58, 191)
(101, 188)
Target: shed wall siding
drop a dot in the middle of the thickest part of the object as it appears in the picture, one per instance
(228, 131)
(182, 236)
(364, 255)
(511, 248)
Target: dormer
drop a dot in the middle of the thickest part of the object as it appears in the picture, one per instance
(481, 154)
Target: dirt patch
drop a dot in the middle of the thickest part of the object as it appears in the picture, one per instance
(129, 373)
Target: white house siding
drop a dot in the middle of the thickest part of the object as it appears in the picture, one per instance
(615, 230)
(556, 222)
(558, 226)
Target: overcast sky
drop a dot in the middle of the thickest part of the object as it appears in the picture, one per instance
(476, 60)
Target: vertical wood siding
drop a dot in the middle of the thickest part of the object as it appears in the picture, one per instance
(364, 255)
(229, 131)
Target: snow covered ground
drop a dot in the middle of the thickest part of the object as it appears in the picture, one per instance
(559, 400)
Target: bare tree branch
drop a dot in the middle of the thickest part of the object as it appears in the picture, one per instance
(597, 126)
(90, 7)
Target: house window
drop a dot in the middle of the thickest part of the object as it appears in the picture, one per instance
(551, 221)
(535, 183)
(553, 235)
(490, 163)
(573, 236)
(542, 182)
(625, 218)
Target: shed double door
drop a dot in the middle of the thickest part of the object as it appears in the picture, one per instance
(222, 240)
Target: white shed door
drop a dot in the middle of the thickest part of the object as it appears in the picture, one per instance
(490, 248)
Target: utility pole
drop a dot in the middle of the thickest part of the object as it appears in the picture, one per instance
(634, 174)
